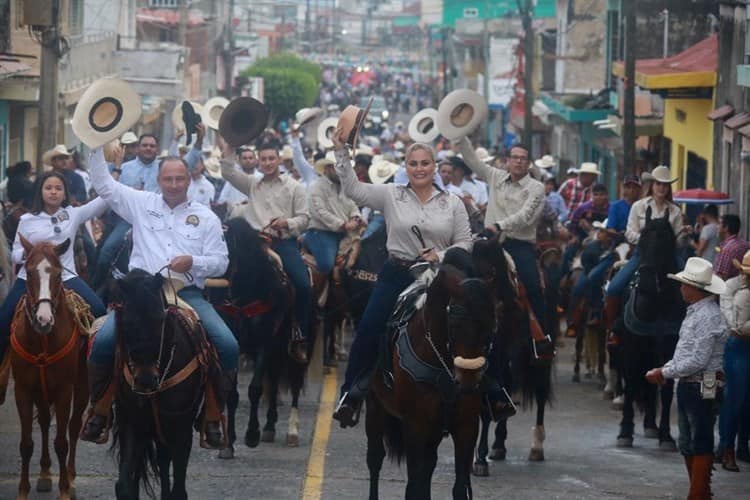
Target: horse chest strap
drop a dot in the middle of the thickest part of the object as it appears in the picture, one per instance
(421, 371)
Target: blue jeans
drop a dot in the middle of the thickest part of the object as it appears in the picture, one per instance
(524, 256)
(696, 418)
(19, 288)
(376, 222)
(296, 269)
(590, 284)
(108, 251)
(324, 245)
(736, 389)
(570, 251)
(621, 279)
(392, 280)
(218, 333)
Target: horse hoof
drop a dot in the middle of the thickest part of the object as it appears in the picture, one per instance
(536, 455)
(481, 469)
(72, 492)
(608, 395)
(650, 433)
(498, 454)
(252, 438)
(667, 445)
(227, 453)
(44, 484)
(292, 440)
(625, 442)
(618, 403)
(576, 377)
(268, 436)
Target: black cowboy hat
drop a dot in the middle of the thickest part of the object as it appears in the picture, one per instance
(191, 119)
(242, 121)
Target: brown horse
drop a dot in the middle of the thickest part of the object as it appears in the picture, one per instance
(438, 361)
(49, 367)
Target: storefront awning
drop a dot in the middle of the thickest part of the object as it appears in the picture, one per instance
(738, 121)
(10, 68)
(721, 113)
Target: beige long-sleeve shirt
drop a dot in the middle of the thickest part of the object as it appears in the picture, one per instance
(442, 220)
(516, 206)
(637, 218)
(282, 197)
(329, 207)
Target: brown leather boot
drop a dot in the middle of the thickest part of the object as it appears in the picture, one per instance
(700, 479)
(214, 431)
(611, 311)
(102, 393)
(728, 462)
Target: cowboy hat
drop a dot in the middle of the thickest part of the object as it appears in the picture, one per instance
(307, 115)
(59, 150)
(128, 138)
(177, 120)
(212, 167)
(351, 121)
(212, 111)
(243, 120)
(589, 168)
(365, 150)
(382, 170)
(743, 266)
(663, 175)
(647, 177)
(321, 165)
(700, 274)
(571, 171)
(325, 131)
(423, 126)
(107, 109)
(287, 153)
(546, 161)
(460, 113)
(483, 155)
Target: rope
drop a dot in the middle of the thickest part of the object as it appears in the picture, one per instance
(81, 312)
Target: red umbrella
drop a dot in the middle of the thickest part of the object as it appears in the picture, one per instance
(702, 196)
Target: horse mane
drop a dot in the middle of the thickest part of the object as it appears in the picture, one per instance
(254, 273)
(142, 306)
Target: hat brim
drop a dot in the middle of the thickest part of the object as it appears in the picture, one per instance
(47, 157)
(592, 172)
(414, 124)
(309, 116)
(372, 172)
(543, 164)
(743, 269)
(717, 285)
(107, 109)
(177, 121)
(324, 141)
(452, 129)
(665, 181)
(359, 121)
(208, 114)
(243, 120)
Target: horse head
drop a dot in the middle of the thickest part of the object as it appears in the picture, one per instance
(251, 270)
(43, 282)
(491, 265)
(469, 312)
(141, 328)
(657, 245)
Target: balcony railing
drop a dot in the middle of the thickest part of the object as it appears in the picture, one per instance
(90, 57)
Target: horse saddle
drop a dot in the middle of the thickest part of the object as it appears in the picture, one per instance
(170, 289)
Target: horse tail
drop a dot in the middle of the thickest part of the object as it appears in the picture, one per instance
(393, 433)
(145, 465)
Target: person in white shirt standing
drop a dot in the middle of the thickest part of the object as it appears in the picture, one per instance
(201, 190)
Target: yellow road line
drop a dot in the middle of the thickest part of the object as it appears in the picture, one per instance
(313, 486)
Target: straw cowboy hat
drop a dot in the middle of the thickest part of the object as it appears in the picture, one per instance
(212, 167)
(663, 175)
(700, 274)
(59, 150)
(589, 168)
(306, 116)
(243, 120)
(382, 170)
(178, 122)
(743, 266)
(212, 110)
(287, 153)
(106, 110)
(351, 121)
(545, 162)
(325, 132)
(365, 150)
(423, 126)
(128, 138)
(460, 113)
(321, 165)
(483, 155)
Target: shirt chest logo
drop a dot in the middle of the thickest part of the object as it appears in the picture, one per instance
(192, 220)
(154, 213)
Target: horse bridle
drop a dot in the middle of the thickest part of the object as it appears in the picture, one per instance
(31, 307)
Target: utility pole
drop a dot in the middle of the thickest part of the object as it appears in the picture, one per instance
(628, 129)
(526, 10)
(48, 100)
(444, 49)
(486, 56)
(229, 57)
(307, 25)
(182, 25)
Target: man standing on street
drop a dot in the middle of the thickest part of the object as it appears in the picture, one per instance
(731, 248)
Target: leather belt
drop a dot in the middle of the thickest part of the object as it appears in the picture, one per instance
(405, 263)
(697, 378)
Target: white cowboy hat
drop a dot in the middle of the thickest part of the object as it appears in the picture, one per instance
(744, 266)
(212, 110)
(647, 177)
(444, 154)
(287, 153)
(177, 121)
(322, 163)
(460, 113)
(59, 150)
(572, 170)
(662, 174)
(423, 126)
(212, 167)
(483, 155)
(546, 161)
(364, 149)
(325, 131)
(700, 274)
(589, 168)
(128, 138)
(106, 110)
(306, 115)
(382, 170)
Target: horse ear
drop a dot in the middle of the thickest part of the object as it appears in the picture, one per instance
(62, 247)
(27, 246)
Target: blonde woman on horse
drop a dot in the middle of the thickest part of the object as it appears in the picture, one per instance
(54, 220)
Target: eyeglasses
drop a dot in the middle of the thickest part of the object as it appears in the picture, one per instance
(55, 221)
(519, 158)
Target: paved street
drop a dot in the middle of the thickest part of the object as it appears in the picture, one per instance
(582, 462)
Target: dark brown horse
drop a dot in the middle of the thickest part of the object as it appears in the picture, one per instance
(49, 367)
(438, 360)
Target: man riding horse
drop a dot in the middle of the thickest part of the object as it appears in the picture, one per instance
(180, 239)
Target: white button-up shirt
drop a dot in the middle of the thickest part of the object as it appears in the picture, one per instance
(230, 194)
(201, 190)
(161, 233)
(329, 207)
(637, 218)
(41, 227)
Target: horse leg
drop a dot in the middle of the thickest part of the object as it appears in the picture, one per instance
(163, 461)
(498, 446)
(272, 413)
(233, 401)
(481, 468)
(25, 407)
(292, 432)
(374, 427)
(180, 454)
(464, 437)
(125, 487)
(541, 394)
(62, 417)
(579, 350)
(44, 482)
(80, 400)
(419, 466)
(666, 441)
(254, 393)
